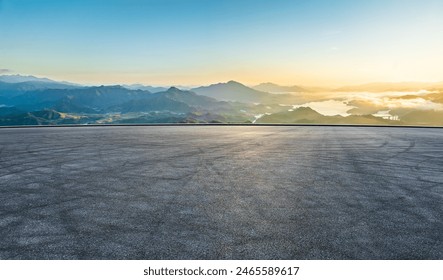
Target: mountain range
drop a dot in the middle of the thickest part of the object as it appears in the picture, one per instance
(29, 100)
(25, 83)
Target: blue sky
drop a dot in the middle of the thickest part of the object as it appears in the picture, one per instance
(163, 42)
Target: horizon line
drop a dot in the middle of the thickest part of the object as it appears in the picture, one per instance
(214, 83)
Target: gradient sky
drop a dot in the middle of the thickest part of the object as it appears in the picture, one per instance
(194, 42)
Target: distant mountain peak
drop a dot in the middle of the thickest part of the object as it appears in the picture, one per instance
(268, 84)
(272, 87)
(108, 87)
(174, 89)
(232, 91)
(17, 78)
(232, 82)
(306, 110)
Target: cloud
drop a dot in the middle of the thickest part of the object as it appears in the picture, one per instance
(4, 70)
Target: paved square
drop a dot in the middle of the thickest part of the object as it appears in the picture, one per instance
(228, 192)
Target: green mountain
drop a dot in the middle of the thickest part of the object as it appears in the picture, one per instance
(107, 104)
(310, 116)
(155, 103)
(45, 117)
(299, 115)
(90, 98)
(6, 111)
(420, 117)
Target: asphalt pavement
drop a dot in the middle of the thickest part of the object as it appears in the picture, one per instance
(209, 192)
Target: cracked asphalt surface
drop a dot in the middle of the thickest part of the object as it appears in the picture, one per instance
(208, 192)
